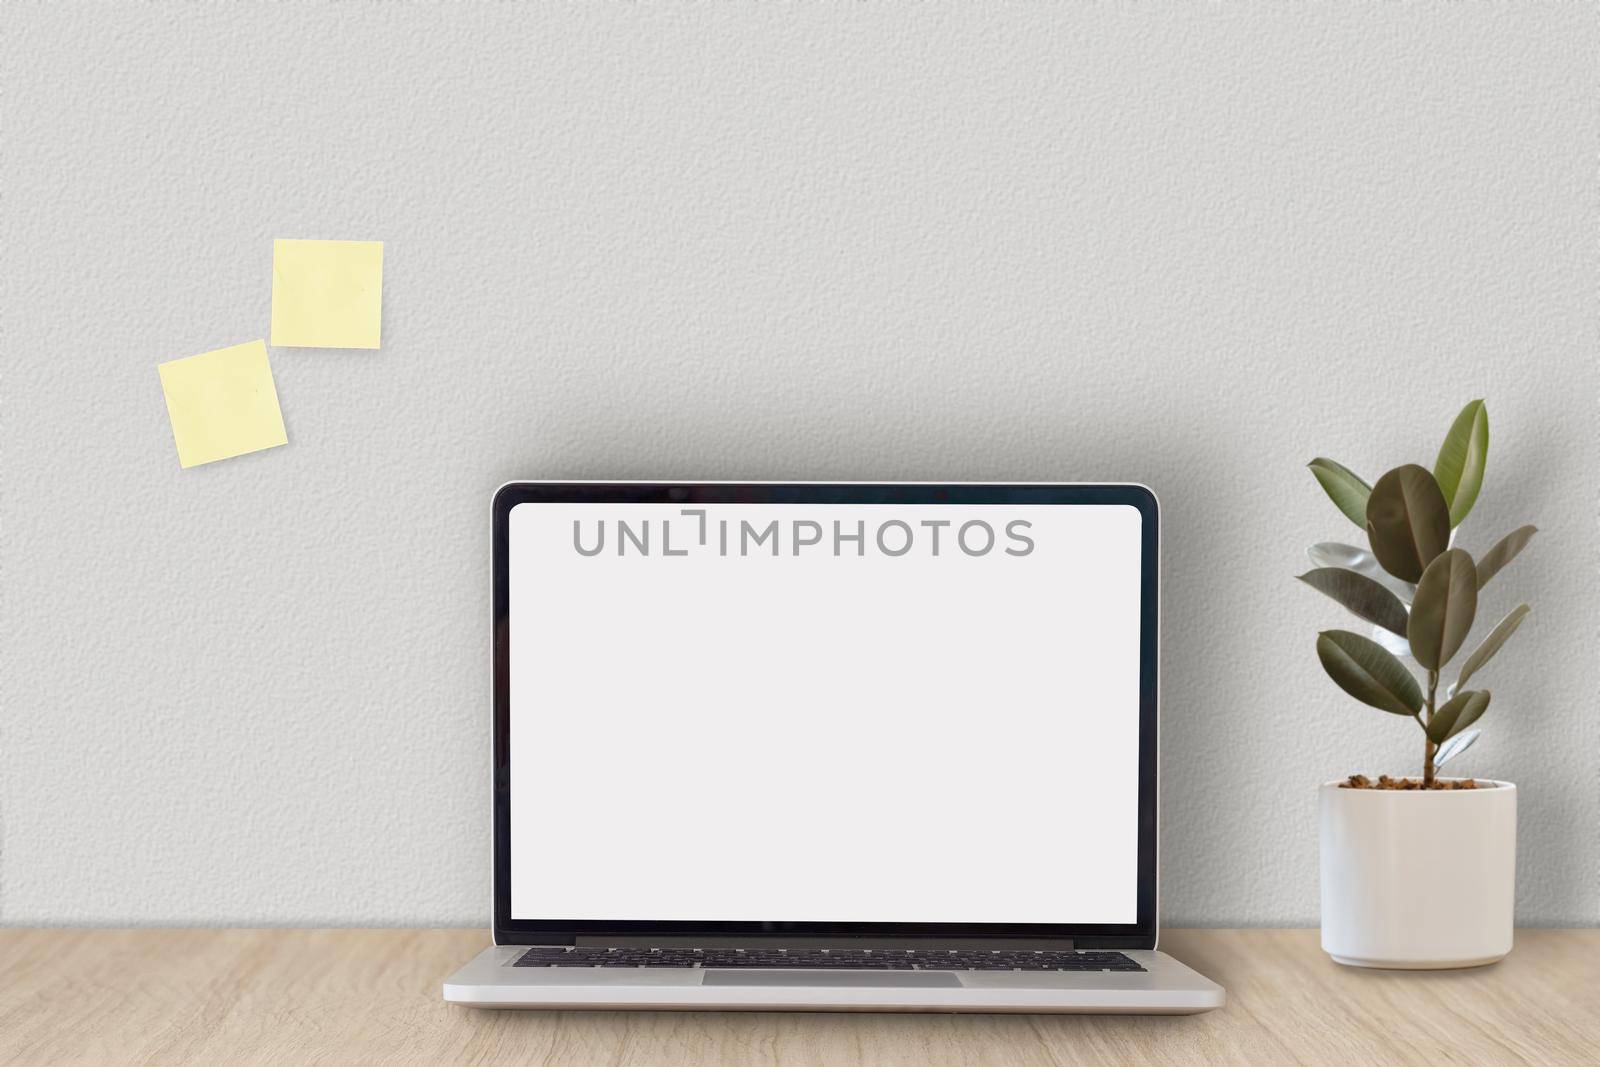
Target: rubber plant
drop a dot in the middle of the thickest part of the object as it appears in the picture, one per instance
(1418, 591)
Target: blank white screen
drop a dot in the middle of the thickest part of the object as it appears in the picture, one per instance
(817, 737)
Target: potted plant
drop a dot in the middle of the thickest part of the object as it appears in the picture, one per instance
(1416, 872)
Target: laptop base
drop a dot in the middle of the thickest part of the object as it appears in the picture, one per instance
(1164, 987)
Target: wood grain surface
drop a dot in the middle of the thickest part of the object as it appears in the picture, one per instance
(373, 996)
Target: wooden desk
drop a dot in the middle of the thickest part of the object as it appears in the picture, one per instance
(369, 996)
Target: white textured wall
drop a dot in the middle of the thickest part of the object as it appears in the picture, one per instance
(1193, 247)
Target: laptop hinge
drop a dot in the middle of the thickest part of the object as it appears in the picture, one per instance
(1060, 944)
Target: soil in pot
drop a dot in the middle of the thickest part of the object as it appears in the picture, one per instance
(1361, 781)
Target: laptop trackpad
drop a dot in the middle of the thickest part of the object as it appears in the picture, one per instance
(903, 979)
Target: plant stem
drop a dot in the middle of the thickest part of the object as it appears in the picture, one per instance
(1428, 745)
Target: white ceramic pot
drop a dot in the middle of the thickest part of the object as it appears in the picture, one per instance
(1418, 878)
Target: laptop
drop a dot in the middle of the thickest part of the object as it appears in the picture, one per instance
(834, 747)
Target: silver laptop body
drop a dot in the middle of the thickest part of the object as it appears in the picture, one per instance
(826, 747)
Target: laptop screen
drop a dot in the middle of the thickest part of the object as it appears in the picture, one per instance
(832, 713)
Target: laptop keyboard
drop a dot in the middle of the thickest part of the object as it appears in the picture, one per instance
(829, 959)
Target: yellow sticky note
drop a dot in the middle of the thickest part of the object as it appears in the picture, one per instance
(327, 294)
(222, 404)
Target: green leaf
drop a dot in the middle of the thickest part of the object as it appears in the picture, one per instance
(1363, 562)
(1343, 488)
(1491, 644)
(1459, 468)
(1443, 609)
(1460, 712)
(1360, 595)
(1504, 551)
(1408, 521)
(1362, 668)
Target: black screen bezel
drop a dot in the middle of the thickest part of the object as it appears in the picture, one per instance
(1138, 934)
